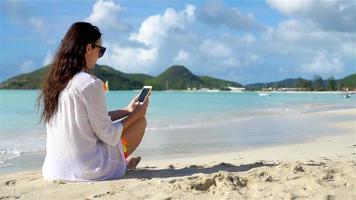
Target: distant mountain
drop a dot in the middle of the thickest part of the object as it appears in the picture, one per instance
(218, 83)
(348, 81)
(119, 80)
(175, 78)
(32, 80)
(178, 77)
(288, 83)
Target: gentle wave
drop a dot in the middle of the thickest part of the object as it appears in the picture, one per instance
(33, 138)
(169, 111)
(198, 124)
(8, 154)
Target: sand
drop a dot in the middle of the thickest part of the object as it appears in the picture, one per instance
(321, 169)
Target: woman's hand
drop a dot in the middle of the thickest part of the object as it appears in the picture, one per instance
(132, 104)
(140, 109)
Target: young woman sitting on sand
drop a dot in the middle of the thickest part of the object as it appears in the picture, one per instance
(83, 141)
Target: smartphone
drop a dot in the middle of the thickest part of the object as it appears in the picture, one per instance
(146, 90)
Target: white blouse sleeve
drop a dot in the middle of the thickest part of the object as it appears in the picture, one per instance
(100, 121)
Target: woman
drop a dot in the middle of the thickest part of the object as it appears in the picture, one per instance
(83, 141)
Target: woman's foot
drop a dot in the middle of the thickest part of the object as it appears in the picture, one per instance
(133, 162)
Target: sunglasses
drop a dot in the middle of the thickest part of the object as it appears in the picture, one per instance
(101, 50)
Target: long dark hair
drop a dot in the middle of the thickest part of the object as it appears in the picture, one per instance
(68, 61)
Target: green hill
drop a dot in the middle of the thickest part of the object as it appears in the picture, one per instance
(119, 80)
(349, 81)
(218, 83)
(103, 69)
(178, 77)
(32, 80)
(175, 78)
(289, 83)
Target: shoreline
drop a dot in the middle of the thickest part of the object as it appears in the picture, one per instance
(344, 145)
(278, 153)
(322, 168)
(34, 160)
(309, 171)
(33, 157)
(217, 90)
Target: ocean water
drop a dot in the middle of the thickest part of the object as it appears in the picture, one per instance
(181, 123)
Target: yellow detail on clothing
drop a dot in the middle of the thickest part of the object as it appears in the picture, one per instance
(124, 147)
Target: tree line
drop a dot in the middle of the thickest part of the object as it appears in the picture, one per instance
(318, 84)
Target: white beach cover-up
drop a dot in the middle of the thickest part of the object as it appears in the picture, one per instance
(82, 142)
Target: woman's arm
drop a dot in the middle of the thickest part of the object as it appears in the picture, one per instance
(139, 111)
(119, 114)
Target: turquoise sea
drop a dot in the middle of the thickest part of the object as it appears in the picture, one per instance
(181, 123)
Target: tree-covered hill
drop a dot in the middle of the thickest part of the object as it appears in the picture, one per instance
(174, 78)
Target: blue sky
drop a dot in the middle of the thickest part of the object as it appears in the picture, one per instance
(243, 41)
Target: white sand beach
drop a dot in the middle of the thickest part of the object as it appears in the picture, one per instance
(321, 169)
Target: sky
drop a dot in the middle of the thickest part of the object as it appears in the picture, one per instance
(238, 40)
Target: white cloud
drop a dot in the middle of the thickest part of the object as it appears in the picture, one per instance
(230, 62)
(301, 37)
(348, 49)
(251, 58)
(129, 59)
(48, 59)
(248, 39)
(323, 64)
(153, 33)
(291, 46)
(27, 66)
(168, 38)
(155, 28)
(293, 32)
(182, 56)
(22, 14)
(228, 54)
(329, 15)
(37, 22)
(215, 48)
(216, 14)
(106, 15)
(289, 7)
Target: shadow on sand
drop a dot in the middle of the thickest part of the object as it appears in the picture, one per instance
(149, 173)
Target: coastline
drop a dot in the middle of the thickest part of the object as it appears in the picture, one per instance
(323, 168)
(275, 172)
(215, 90)
(216, 140)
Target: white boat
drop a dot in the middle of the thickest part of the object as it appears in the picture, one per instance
(213, 90)
(264, 94)
(208, 90)
(236, 89)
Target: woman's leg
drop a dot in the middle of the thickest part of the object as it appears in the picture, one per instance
(134, 134)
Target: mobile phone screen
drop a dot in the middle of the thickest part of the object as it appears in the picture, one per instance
(143, 94)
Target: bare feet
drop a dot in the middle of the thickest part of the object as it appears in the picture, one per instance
(133, 162)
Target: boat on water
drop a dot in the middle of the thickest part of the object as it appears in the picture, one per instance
(263, 94)
(236, 89)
